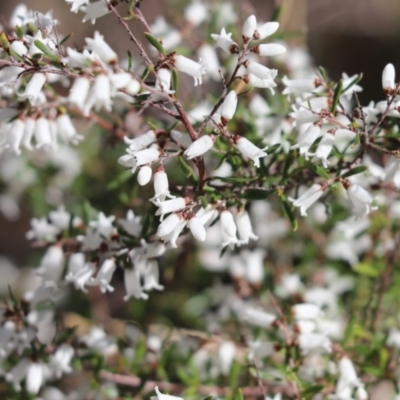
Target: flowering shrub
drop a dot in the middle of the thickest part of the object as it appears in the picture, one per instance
(268, 201)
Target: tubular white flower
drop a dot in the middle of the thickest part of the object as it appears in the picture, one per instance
(128, 161)
(99, 95)
(348, 373)
(77, 4)
(144, 175)
(146, 156)
(260, 71)
(306, 139)
(161, 396)
(258, 317)
(324, 148)
(360, 200)
(131, 223)
(228, 229)
(79, 92)
(269, 50)
(67, 130)
(265, 30)
(226, 356)
(255, 271)
(19, 47)
(101, 48)
(224, 41)
(133, 286)
(142, 141)
(95, 10)
(81, 277)
(257, 82)
(16, 134)
(249, 27)
(52, 264)
(9, 75)
(244, 227)
(42, 134)
(28, 133)
(308, 198)
(174, 235)
(361, 393)
(306, 311)
(168, 206)
(34, 87)
(197, 228)
(104, 276)
(249, 150)
(163, 81)
(314, 343)
(34, 377)
(298, 86)
(168, 225)
(200, 146)
(210, 57)
(182, 139)
(152, 276)
(388, 78)
(60, 360)
(196, 12)
(161, 185)
(228, 107)
(190, 67)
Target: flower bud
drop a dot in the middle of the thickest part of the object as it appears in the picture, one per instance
(200, 146)
(19, 47)
(79, 92)
(168, 225)
(34, 87)
(388, 78)
(28, 133)
(260, 71)
(142, 141)
(249, 28)
(197, 228)
(249, 150)
(243, 224)
(146, 156)
(269, 50)
(144, 175)
(42, 133)
(101, 48)
(308, 198)
(190, 67)
(228, 107)
(266, 30)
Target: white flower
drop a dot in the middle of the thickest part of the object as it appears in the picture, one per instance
(34, 87)
(224, 41)
(101, 48)
(67, 130)
(52, 264)
(360, 200)
(15, 135)
(144, 175)
(255, 81)
(77, 4)
(79, 92)
(146, 156)
(228, 107)
(210, 57)
(298, 86)
(244, 227)
(163, 81)
(80, 277)
(103, 225)
(314, 343)
(226, 356)
(228, 229)
(306, 311)
(249, 28)
(196, 12)
(34, 377)
(104, 276)
(190, 67)
(197, 228)
(161, 185)
(133, 286)
(99, 95)
(388, 78)
(60, 360)
(173, 205)
(42, 134)
(361, 393)
(254, 265)
(131, 223)
(200, 146)
(250, 150)
(96, 10)
(308, 198)
(260, 71)
(257, 317)
(18, 373)
(324, 148)
(172, 237)
(269, 50)
(152, 276)
(265, 30)
(306, 139)
(161, 396)
(19, 47)
(168, 225)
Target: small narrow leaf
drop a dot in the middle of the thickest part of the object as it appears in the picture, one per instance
(276, 13)
(289, 212)
(175, 82)
(119, 180)
(204, 202)
(130, 60)
(145, 74)
(321, 172)
(312, 390)
(238, 395)
(64, 39)
(353, 82)
(322, 73)
(4, 41)
(355, 171)
(255, 194)
(43, 48)
(20, 32)
(336, 96)
(155, 43)
(273, 148)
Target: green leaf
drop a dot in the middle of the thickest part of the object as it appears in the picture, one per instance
(238, 395)
(16, 56)
(355, 171)
(366, 269)
(186, 169)
(322, 73)
(203, 201)
(312, 390)
(289, 212)
(255, 194)
(119, 180)
(4, 41)
(353, 82)
(45, 50)
(175, 82)
(146, 224)
(64, 39)
(273, 148)
(19, 31)
(130, 60)
(276, 13)
(155, 43)
(145, 73)
(321, 172)
(234, 179)
(336, 96)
